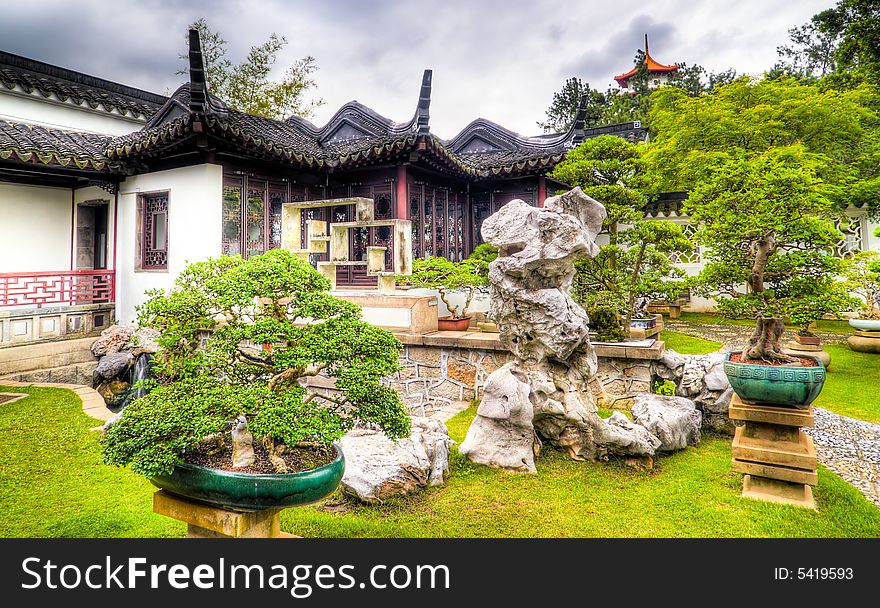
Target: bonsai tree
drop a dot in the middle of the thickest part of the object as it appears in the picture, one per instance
(470, 275)
(238, 339)
(862, 277)
(647, 261)
(767, 223)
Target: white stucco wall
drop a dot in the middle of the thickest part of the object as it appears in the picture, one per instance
(35, 228)
(17, 106)
(194, 224)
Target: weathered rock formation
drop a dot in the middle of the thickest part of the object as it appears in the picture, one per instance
(675, 421)
(377, 468)
(543, 394)
(701, 378)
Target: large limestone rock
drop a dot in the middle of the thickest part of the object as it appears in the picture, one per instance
(543, 395)
(506, 438)
(674, 420)
(112, 340)
(377, 468)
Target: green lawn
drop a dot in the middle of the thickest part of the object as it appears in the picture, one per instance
(52, 483)
(709, 318)
(688, 345)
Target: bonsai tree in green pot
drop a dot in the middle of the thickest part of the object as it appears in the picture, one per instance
(469, 276)
(862, 277)
(240, 339)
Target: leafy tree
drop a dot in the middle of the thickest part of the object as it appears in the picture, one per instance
(237, 336)
(565, 105)
(859, 46)
(766, 221)
(862, 277)
(248, 86)
(812, 46)
(445, 276)
(748, 117)
(611, 170)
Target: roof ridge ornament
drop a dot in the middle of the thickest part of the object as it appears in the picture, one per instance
(578, 127)
(423, 108)
(198, 89)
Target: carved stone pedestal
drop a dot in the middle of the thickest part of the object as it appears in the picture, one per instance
(205, 521)
(777, 457)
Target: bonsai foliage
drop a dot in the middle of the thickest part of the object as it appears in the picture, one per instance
(635, 262)
(862, 274)
(237, 337)
(470, 275)
(768, 163)
(767, 223)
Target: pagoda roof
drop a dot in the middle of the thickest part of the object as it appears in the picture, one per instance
(654, 67)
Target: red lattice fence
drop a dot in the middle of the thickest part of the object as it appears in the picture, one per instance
(49, 288)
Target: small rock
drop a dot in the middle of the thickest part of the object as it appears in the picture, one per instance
(674, 420)
(144, 340)
(377, 468)
(112, 340)
(112, 365)
(628, 438)
(715, 379)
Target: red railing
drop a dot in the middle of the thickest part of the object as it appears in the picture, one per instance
(63, 287)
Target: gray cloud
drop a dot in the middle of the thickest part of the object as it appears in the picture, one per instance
(499, 60)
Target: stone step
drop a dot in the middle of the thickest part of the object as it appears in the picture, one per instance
(45, 355)
(800, 454)
(770, 471)
(772, 490)
(770, 414)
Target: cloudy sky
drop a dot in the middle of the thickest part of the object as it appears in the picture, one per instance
(497, 59)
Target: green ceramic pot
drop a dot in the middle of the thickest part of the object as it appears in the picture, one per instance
(775, 384)
(229, 489)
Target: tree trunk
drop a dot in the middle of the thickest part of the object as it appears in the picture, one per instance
(634, 279)
(764, 342)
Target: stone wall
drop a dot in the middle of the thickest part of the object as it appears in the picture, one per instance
(433, 375)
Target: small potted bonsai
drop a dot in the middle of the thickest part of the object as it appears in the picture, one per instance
(816, 297)
(862, 277)
(469, 276)
(230, 419)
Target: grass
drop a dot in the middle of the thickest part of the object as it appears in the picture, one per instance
(688, 345)
(52, 480)
(837, 326)
(52, 483)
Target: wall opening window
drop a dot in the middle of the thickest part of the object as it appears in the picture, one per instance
(152, 231)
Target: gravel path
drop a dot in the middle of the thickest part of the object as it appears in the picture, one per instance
(849, 447)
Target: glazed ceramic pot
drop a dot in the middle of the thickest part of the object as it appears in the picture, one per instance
(643, 323)
(450, 324)
(229, 489)
(775, 384)
(865, 324)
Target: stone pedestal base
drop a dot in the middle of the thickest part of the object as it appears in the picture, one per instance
(205, 521)
(777, 457)
(865, 341)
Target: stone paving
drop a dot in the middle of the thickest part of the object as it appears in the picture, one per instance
(849, 447)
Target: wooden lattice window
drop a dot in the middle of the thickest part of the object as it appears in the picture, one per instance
(694, 256)
(154, 231)
(853, 241)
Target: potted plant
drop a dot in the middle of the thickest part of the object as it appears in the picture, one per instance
(230, 419)
(469, 276)
(768, 226)
(862, 277)
(815, 297)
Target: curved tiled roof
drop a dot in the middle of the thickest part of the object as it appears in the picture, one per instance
(36, 77)
(34, 144)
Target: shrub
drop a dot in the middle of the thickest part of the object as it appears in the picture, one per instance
(237, 337)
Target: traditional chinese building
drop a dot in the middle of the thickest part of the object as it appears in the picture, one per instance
(658, 73)
(107, 190)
